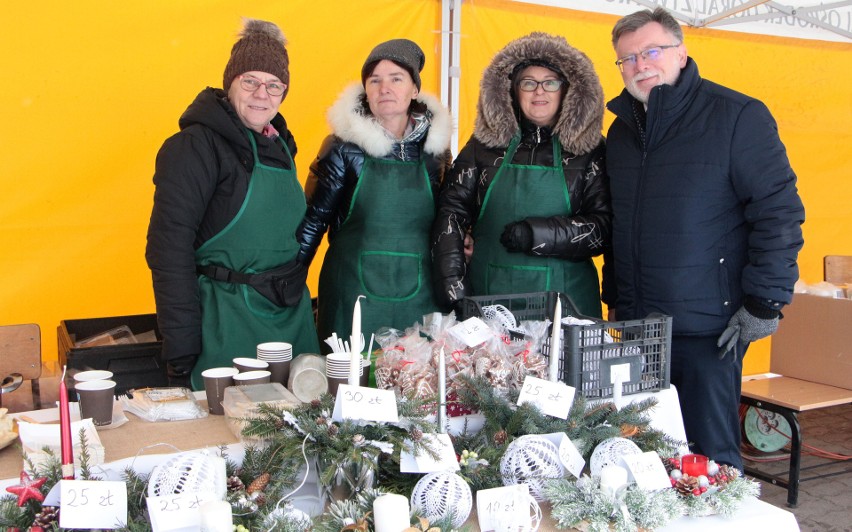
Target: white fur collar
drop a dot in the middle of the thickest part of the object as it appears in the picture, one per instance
(350, 125)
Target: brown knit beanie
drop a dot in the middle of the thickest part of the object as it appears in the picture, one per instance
(403, 52)
(260, 48)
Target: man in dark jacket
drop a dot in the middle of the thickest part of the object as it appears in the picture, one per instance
(707, 221)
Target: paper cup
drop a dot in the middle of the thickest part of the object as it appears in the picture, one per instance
(96, 398)
(334, 383)
(215, 382)
(252, 377)
(280, 371)
(250, 364)
(92, 375)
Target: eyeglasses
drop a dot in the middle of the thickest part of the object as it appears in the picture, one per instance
(273, 88)
(531, 85)
(651, 54)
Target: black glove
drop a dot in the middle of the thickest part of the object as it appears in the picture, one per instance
(745, 327)
(181, 367)
(517, 237)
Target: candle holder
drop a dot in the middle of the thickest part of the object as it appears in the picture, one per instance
(693, 465)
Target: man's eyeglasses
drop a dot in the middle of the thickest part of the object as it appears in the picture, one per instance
(273, 88)
(651, 54)
(531, 85)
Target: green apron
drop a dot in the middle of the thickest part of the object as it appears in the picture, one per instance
(381, 251)
(235, 317)
(518, 192)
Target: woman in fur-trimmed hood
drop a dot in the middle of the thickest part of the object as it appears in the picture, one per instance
(530, 184)
(373, 187)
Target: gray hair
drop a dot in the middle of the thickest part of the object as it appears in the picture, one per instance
(634, 21)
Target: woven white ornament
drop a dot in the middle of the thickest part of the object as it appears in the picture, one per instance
(189, 472)
(439, 495)
(501, 315)
(610, 452)
(532, 460)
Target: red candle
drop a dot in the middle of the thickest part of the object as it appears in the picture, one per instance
(693, 465)
(65, 430)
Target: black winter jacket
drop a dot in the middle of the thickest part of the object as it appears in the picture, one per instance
(706, 210)
(335, 172)
(583, 161)
(201, 177)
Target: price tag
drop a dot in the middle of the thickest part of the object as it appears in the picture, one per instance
(648, 470)
(423, 463)
(177, 512)
(569, 456)
(503, 509)
(472, 331)
(92, 504)
(369, 404)
(552, 398)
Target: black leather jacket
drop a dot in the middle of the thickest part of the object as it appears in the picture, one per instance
(335, 172)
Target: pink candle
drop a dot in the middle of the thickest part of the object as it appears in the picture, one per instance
(67, 447)
(693, 465)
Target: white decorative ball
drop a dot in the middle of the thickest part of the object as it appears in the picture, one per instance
(189, 472)
(712, 468)
(610, 452)
(676, 474)
(532, 460)
(439, 495)
(703, 482)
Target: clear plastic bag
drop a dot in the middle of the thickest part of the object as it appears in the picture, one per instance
(162, 404)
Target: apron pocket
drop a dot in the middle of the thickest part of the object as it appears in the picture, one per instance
(507, 279)
(390, 276)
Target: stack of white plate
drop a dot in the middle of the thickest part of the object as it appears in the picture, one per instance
(278, 355)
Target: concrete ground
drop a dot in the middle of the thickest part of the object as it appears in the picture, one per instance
(825, 504)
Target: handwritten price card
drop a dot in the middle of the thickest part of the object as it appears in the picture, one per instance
(504, 509)
(423, 463)
(569, 456)
(648, 471)
(93, 504)
(177, 512)
(552, 398)
(369, 404)
(472, 331)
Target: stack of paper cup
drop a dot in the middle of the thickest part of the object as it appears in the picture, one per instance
(278, 355)
(337, 370)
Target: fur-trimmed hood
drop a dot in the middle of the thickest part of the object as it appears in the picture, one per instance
(580, 120)
(349, 121)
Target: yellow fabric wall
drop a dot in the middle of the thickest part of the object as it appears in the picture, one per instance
(91, 89)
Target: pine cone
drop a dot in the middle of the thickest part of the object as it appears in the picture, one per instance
(671, 464)
(47, 515)
(235, 484)
(686, 486)
(416, 434)
(628, 431)
(358, 439)
(321, 421)
(279, 424)
(259, 498)
(500, 437)
(259, 483)
(725, 475)
(332, 430)
(315, 403)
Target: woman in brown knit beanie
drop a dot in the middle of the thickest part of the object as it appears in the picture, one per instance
(221, 240)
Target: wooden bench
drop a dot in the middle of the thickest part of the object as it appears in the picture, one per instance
(812, 350)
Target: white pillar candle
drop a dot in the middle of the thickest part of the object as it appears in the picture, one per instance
(442, 392)
(216, 517)
(613, 477)
(355, 345)
(390, 513)
(555, 344)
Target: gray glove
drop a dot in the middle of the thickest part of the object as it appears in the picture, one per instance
(744, 326)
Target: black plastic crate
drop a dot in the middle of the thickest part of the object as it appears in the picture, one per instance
(588, 354)
(136, 365)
